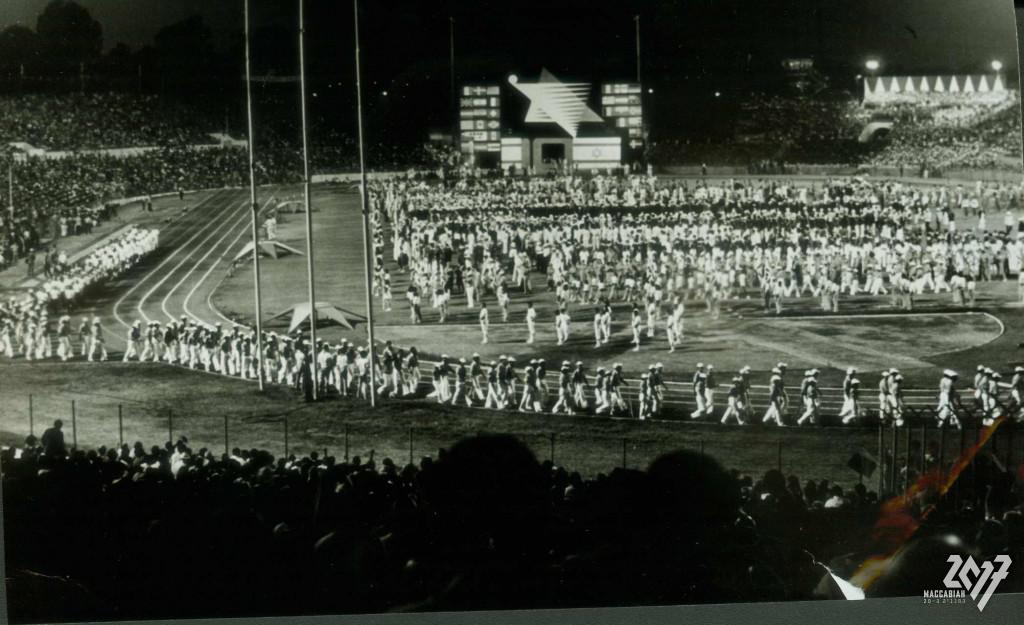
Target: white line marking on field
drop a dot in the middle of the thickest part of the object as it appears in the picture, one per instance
(221, 219)
(223, 254)
(145, 277)
(230, 229)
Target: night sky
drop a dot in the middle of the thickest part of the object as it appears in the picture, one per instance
(690, 48)
(580, 34)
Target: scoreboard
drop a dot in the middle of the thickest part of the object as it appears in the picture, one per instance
(621, 105)
(480, 119)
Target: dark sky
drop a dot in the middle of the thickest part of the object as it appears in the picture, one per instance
(691, 49)
(919, 35)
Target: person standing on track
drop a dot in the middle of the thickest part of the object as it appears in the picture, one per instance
(476, 379)
(1017, 392)
(746, 409)
(784, 405)
(579, 386)
(601, 402)
(776, 393)
(850, 411)
(531, 397)
(700, 387)
(511, 378)
(735, 399)
(658, 388)
(543, 390)
(503, 301)
(83, 337)
(147, 344)
(709, 391)
(531, 323)
(653, 312)
(493, 400)
(411, 367)
(485, 321)
(502, 382)
(97, 345)
(133, 347)
(64, 348)
(896, 397)
(565, 400)
(809, 395)
(644, 397)
(606, 324)
(461, 395)
(949, 400)
(637, 324)
(615, 384)
(6, 335)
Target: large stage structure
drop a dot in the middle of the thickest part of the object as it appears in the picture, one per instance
(566, 125)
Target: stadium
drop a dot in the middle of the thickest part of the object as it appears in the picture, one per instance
(536, 332)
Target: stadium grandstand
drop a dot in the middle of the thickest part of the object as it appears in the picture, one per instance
(818, 261)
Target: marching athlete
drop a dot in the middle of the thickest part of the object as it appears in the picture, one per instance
(531, 323)
(851, 406)
(776, 391)
(949, 400)
(485, 322)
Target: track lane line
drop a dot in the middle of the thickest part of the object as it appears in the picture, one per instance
(238, 222)
(225, 218)
(148, 274)
(206, 275)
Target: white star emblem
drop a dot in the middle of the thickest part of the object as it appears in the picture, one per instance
(553, 101)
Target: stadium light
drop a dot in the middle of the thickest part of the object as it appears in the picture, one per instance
(997, 65)
(872, 65)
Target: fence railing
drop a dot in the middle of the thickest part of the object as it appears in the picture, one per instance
(888, 457)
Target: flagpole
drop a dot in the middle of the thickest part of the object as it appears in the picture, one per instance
(10, 186)
(306, 199)
(254, 207)
(364, 196)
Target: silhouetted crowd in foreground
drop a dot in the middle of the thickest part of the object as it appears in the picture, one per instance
(172, 531)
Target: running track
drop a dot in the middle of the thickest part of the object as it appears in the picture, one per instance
(195, 250)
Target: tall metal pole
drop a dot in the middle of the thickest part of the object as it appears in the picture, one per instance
(305, 186)
(10, 186)
(255, 231)
(364, 197)
(636, 18)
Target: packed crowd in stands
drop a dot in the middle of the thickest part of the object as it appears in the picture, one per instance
(993, 141)
(91, 121)
(59, 196)
(933, 134)
(483, 525)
